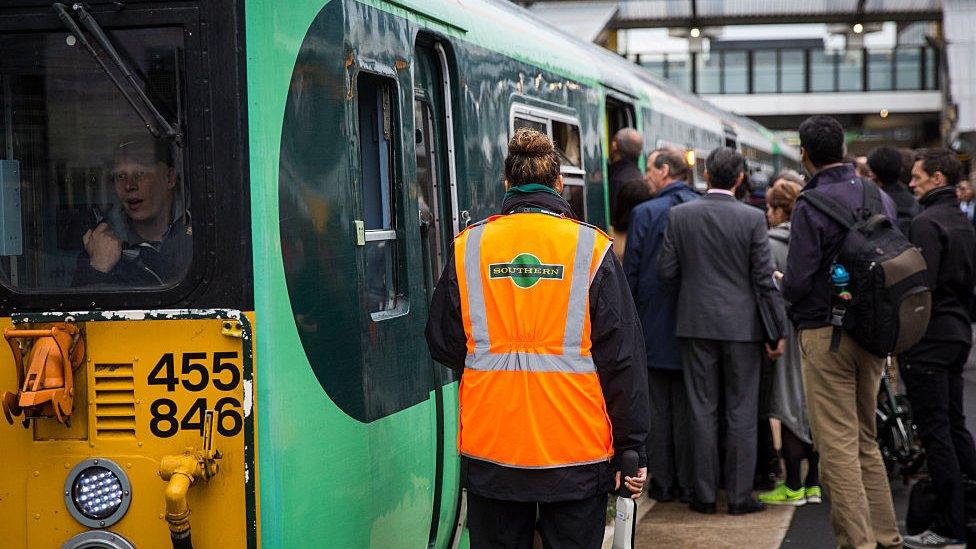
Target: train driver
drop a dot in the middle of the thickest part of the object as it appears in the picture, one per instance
(146, 239)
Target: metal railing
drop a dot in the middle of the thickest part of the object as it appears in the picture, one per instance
(798, 70)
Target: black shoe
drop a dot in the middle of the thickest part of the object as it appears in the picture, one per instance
(763, 483)
(661, 495)
(702, 507)
(686, 495)
(751, 506)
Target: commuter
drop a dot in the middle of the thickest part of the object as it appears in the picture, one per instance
(964, 193)
(717, 251)
(627, 186)
(625, 150)
(668, 448)
(863, 168)
(841, 387)
(932, 369)
(786, 402)
(535, 313)
(790, 175)
(886, 164)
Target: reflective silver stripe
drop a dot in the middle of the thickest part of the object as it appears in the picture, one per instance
(578, 291)
(601, 255)
(520, 361)
(514, 466)
(476, 293)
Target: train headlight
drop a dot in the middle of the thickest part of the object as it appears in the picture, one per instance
(97, 493)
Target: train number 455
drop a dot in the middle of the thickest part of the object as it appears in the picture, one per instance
(223, 374)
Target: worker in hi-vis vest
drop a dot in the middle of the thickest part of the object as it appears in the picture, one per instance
(535, 311)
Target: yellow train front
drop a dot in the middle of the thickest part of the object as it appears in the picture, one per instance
(125, 281)
(161, 404)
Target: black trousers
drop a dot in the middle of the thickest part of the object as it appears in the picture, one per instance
(500, 524)
(713, 369)
(669, 457)
(932, 373)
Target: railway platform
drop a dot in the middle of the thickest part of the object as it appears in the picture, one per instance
(674, 526)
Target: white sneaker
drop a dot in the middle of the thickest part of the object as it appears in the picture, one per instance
(928, 539)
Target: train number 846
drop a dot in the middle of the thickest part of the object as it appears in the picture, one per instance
(195, 376)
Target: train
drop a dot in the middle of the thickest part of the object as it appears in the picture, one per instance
(275, 186)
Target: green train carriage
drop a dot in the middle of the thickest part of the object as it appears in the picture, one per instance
(327, 154)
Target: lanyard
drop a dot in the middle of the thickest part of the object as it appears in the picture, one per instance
(533, 209)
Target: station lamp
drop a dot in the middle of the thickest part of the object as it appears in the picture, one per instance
(690, 157)
(858, 28)
(695, 32)
(884, 113)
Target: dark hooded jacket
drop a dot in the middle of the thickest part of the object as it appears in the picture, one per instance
(617, 350)
(948, 244)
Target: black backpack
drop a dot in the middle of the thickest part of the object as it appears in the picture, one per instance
(891, 302)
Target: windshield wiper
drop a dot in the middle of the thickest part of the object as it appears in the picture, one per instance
(155, 122)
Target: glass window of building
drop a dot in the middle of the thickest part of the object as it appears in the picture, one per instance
(708, 68)
(792, 70)
(908, 69)
(679, 70)
(92, 202)
(736, 72)
(764, 71)
(879, 70)
(821, 71)
(850, 70)
(655, 62)
(931, 69)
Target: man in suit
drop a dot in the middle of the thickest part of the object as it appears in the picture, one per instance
(717, 251)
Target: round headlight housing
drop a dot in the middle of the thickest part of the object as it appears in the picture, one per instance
(97, 493)
(97, 539)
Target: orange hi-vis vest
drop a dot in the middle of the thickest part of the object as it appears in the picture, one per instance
(530, 396)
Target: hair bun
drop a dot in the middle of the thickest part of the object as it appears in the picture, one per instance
(528, 142)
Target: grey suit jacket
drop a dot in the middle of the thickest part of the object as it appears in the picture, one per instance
(716, 255)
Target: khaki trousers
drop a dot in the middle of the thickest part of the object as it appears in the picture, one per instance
(841, 390)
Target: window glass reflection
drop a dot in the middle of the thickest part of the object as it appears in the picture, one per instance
(879, 70)
(736, 72)
(821, 71)
(850, 70)
(792, 71)
(708, 72)
(764, 71)
(908, 69)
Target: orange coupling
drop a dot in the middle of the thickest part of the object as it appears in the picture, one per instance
(45, 360)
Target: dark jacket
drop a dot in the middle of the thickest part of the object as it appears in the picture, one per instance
(815, 240)
(906, 207)
(617, 350)
(717, 248)
(948, 243)
(626, 191)
(656, 304)
(143, 263)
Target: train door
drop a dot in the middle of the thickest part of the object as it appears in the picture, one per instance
(436, 193)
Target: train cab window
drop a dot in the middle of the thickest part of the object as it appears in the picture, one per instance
(376, 146)
(90, 201)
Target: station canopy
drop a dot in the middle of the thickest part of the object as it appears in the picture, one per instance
(706, 13)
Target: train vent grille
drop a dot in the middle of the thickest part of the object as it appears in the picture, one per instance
(115, 401)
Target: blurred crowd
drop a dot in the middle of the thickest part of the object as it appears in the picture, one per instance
(757, 385)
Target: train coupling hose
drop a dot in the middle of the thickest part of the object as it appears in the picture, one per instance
(181, 471)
